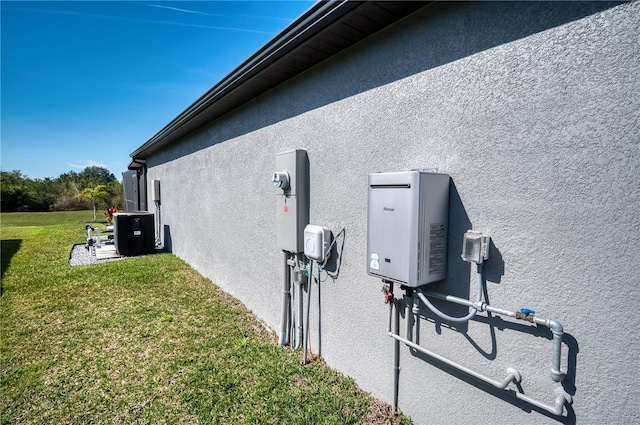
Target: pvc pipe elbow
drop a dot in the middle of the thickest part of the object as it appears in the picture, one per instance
(512, 376)
(557, 330)
(516, 377)
(557, 375)
(555, 326)
(562, 398)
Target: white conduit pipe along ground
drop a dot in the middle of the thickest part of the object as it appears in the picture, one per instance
(561, 397)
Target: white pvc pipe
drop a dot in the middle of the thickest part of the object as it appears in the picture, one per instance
(408, 318)
(558, 332)
(474, 306)
(286, 296)
(396, 361)
(556, 328)
(497, 384)
(306, 327)
(561, 397)
(300, 319)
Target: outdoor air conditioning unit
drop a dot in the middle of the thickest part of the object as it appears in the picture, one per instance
(134, 232)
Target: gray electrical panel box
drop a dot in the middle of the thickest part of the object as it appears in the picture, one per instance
(407, 227)
(291, 180)
(130, 191)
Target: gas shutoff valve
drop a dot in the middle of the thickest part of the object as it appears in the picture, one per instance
(317, 242)
(281, 179)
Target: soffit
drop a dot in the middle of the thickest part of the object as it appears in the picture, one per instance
(322, 31)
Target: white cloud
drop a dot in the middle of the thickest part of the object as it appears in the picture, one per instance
(177, 9)
(88, 163)
(149, 21)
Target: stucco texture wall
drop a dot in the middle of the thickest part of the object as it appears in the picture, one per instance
(532, 109)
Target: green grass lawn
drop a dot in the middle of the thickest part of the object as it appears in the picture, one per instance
(145, 340)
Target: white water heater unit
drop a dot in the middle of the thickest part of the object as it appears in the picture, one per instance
(407, 227)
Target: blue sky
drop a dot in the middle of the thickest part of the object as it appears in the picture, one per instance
(86, 83)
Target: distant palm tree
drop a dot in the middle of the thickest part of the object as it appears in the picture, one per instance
(94, 195)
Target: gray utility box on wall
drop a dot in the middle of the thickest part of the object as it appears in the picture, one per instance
(133, 232)
(407, 227)
(155, 190)
(130, 190)
(291, 180)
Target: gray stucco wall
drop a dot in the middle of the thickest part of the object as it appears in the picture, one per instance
(533, 110)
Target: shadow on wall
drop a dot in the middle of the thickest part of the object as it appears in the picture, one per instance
(335, 255)
(457, 283)
(458, 278)
(168, 245)
(497, 322)
(332, 268)
(439, 34)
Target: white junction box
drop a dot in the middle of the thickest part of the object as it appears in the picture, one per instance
(317, 240)
(407, 227)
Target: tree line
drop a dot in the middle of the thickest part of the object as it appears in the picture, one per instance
(64, 193)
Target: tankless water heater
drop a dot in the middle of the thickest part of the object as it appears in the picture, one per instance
(407, 227)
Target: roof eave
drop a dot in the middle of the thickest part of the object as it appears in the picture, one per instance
(307, 27)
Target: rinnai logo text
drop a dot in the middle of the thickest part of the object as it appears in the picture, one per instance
(388, 209)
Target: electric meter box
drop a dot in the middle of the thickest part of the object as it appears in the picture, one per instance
(291, 181)
(133, 232)
(407, 227)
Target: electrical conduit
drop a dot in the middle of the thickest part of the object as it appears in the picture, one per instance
(286, 307)
(306, 327)
(300, 314)
(474, 306)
